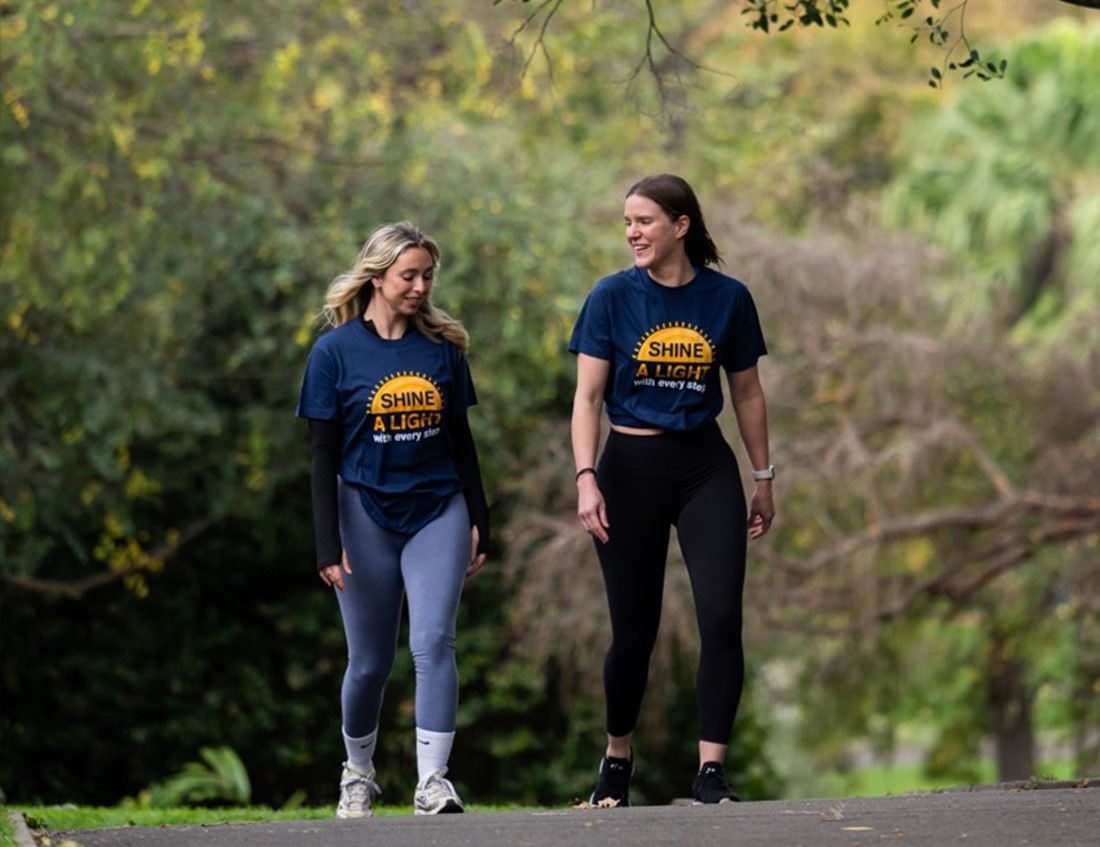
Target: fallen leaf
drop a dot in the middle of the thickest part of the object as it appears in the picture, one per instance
(605, 803)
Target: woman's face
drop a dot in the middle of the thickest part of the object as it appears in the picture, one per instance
(652, 236)
(405, 284)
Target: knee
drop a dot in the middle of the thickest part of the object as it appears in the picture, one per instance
(432, 648)
(633, 643)
(368, 674)
(720, 623)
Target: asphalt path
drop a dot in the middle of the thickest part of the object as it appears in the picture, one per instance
(1045, 816)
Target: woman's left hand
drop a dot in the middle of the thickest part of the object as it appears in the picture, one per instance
(476, 559)
(761, 510)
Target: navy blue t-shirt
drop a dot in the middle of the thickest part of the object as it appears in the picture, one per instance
(393, 398)
(666, 345)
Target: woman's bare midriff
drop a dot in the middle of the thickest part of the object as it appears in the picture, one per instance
(633, 430)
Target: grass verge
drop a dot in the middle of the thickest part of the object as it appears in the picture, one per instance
(7, 831)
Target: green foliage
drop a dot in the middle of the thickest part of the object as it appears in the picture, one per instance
(943, 27)
(144, 334)
(765, 14)
(1007, 180)
(219, 780)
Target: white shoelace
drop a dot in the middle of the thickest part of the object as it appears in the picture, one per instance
(358, 790)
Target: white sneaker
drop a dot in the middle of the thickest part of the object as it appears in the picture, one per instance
(357, 791)
(436, 796)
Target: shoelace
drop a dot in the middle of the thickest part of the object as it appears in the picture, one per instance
(436, 781)
(360, 788)
(714, 780)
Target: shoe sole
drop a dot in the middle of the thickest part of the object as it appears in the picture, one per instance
(448, 808)
(603, 804)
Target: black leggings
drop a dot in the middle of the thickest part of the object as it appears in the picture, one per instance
(651, 483)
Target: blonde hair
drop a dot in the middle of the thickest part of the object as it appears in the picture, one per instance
(348, 295)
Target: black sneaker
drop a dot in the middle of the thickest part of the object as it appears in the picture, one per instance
(613, 784)
(711, 787)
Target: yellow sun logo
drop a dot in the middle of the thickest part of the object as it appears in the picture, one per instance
(406, 392)
(675, 343)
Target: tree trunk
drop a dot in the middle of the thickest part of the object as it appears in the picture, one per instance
(1010, 707)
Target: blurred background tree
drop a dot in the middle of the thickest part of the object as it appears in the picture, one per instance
(180, 180)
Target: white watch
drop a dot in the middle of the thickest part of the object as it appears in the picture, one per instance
(765, 474)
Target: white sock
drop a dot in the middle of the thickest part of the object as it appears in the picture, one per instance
(433, 749)
(361, 751)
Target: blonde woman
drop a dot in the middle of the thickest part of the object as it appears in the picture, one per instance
(398, 505)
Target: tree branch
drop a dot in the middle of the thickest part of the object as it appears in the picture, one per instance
(75, 589)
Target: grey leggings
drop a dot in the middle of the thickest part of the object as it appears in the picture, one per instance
(428, 568)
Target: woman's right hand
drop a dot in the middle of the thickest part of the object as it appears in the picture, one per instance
(591, 509)
(592, 376)
(333, 575)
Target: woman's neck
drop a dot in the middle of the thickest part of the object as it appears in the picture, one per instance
(673, 273)
(388, 326)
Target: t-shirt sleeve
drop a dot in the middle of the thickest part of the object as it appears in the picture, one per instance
(744, 337)
(319, 399)
(592, 331)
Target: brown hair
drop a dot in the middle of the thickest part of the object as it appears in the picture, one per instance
(674, 195)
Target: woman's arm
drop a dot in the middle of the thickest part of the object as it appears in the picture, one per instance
(469, 471)
(751, 409)
(592, 375)
(326, 438)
